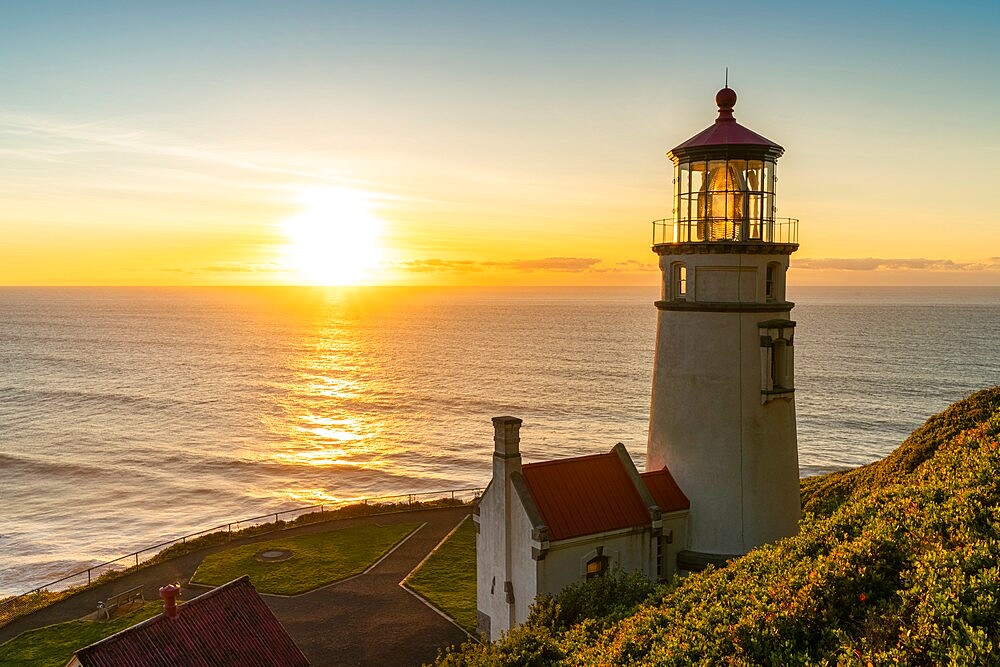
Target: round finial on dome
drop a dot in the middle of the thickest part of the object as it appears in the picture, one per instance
(726, 98)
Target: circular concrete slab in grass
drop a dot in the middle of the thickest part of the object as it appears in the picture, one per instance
(273, 555)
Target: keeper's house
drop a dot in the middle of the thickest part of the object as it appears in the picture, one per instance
(542, 526)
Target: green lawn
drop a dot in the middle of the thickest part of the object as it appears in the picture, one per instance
(53, 645)
(317, 560)
(448, 577)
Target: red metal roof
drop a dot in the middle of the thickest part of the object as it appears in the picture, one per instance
(230, 625)
(726, 131)
(665, 491)
(585, 495)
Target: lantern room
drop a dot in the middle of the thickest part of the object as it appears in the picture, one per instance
(724, 181)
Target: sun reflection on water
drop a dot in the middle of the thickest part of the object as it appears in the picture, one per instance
(326, 428)
(347, 416)
(317, 496)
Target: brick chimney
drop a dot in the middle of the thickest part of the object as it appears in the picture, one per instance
(169, 594)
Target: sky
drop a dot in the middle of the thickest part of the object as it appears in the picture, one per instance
(482, 143)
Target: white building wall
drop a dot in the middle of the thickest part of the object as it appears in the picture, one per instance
(566, 562)
(733, 453)
(490, 561)
(524, 567)
(674, 541)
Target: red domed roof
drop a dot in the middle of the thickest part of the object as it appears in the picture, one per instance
(726, 131)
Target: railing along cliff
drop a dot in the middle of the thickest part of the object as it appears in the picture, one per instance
(132, 561)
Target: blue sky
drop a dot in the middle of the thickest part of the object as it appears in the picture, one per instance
(476, 123)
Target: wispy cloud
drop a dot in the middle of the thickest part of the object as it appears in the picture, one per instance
(558, 264)
(231, 267)
(882, 264)
(439, 266)
(35, 137)
(568, 264)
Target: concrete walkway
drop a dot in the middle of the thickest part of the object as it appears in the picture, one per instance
(367, 620)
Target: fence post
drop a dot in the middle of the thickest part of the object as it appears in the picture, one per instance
(276, 517)
(137, 560)
(88, 576)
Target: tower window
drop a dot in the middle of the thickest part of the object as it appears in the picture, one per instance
(680, 281)
(769, 282)
(597, 567)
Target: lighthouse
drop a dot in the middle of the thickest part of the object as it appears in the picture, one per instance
(722, 414)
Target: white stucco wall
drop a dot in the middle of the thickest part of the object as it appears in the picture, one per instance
(490, 559)
(734, 455)
(674, 525)
(566, 562)
(524, 567)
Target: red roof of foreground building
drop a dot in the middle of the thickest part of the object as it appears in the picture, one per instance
(665, 492)
(230, 625)
(585, 495)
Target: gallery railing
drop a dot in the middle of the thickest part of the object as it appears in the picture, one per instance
(711, 230)
(136, 558)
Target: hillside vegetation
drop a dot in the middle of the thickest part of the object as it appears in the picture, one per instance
(896, 563)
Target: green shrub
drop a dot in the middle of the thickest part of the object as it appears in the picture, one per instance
(604, 599)
(897, 562)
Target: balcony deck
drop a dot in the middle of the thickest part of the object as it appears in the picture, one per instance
(780, 231)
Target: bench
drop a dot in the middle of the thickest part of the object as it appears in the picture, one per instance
(107, 607)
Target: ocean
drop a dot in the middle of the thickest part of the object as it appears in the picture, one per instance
(129, 416)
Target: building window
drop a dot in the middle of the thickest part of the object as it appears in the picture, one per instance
(774, 282)
(597, 567)
(680, 281)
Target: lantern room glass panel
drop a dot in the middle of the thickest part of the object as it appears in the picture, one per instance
(724, 200)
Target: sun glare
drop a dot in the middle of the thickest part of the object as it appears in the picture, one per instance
(334, 240)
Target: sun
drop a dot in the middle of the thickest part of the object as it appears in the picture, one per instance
(335, 239)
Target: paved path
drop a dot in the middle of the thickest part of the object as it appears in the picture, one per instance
(368, 620)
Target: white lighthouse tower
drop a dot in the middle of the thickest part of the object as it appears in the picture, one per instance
(722, 415)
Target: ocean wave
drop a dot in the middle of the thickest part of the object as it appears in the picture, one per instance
(15, 464)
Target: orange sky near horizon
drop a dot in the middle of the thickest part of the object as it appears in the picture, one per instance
(415, 147)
